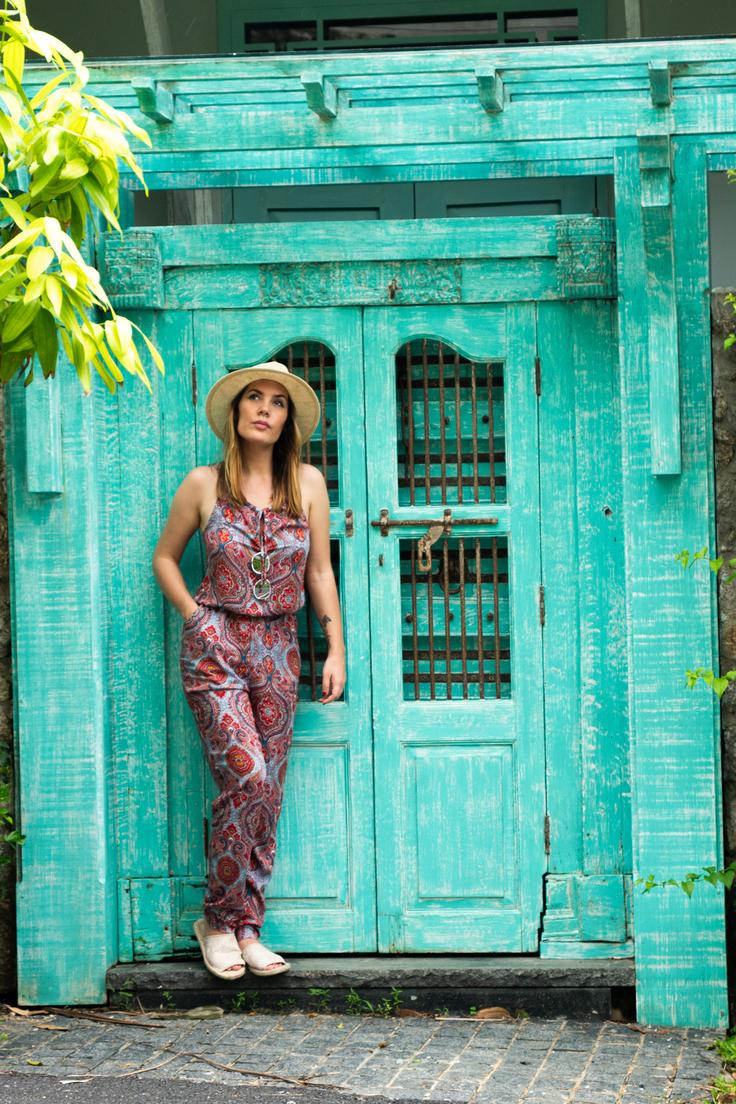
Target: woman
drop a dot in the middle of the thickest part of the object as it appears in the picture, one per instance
(264, 517)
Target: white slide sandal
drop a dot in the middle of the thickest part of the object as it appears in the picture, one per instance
(219, 950)
(257, 958)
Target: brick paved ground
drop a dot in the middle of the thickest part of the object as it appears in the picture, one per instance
(534, 1061)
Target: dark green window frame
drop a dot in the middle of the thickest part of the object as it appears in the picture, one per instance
(243, 27)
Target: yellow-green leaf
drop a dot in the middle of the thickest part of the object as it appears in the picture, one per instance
(13, 104)
(14, 56)
(46, 340)
(74, 169)
(46, 175)
(48, 88)
(25, 237)
(71, 271)
(157, 358)
(54, 233)
(7, 262)
(19, 318)
(16, 212)
(102, 371)
(114, 370)
(34, 288)
(54, 293)
(39, 260)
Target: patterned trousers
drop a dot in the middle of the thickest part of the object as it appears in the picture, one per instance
(241, 680)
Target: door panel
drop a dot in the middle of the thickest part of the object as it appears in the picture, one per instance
(458, 718)
(323, 879)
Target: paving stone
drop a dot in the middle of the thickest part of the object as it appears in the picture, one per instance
(532, 1061)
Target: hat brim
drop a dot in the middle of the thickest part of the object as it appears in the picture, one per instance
(223, 391)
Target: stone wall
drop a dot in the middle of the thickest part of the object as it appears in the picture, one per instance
(724, 434)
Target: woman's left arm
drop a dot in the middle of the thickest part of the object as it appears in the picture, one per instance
(320, 581)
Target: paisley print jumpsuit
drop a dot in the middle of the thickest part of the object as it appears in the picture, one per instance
(240, 662)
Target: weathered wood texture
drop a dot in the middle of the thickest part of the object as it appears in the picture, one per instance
(630, 385)
(670, 618)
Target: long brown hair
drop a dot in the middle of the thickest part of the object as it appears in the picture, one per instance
(287, 495)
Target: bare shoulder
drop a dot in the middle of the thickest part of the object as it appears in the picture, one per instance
(200, 480)
(312, 483)
(199, 487)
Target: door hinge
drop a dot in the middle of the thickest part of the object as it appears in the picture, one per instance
(541, 603)
(538, 375)
(546, 834)
(194, 383)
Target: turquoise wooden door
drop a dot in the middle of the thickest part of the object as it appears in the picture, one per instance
(415, 815)
(322, 893)
(453, 501)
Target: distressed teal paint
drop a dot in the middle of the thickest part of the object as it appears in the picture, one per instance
(430, 754)
(629, 771)
(676, 768)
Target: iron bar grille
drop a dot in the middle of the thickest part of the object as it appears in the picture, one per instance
(315, 363)
(455, 619)
(450, 434)
(312, 640)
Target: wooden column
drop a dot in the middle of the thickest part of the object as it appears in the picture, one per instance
(66, 895)
(680, 941)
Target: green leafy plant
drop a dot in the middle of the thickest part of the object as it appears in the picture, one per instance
(355, 1004)
(386, 1006)
(389, 1006)
(244, 1000)
(9, 835)
(320, 999)
(59, 154)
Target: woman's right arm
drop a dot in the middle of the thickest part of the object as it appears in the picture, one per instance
(183, 520)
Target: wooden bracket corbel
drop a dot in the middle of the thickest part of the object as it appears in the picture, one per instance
(321, 94)
(490, 89)
(660, 83)
(656, 174)
(153, 100)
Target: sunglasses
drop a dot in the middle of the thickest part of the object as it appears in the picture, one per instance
(260, 564)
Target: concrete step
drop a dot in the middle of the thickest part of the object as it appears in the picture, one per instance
(587, 988)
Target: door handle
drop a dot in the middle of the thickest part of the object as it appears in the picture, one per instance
(425, 543)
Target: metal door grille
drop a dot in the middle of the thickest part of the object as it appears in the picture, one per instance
(315, 363)
(450, 432)
(455, 619)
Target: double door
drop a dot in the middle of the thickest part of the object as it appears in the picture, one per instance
(413, 809)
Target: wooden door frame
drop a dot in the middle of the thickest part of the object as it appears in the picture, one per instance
(471, 260)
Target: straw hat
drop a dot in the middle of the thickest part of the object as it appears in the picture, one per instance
(224, 390)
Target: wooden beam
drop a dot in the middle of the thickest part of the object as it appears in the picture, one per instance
(156, 27)
(490, 89)
(153, 100)
(632, 18)
(321, 94)
(655, 168)
(660, 83)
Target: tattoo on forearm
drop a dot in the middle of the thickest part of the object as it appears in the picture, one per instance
(324, 622)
